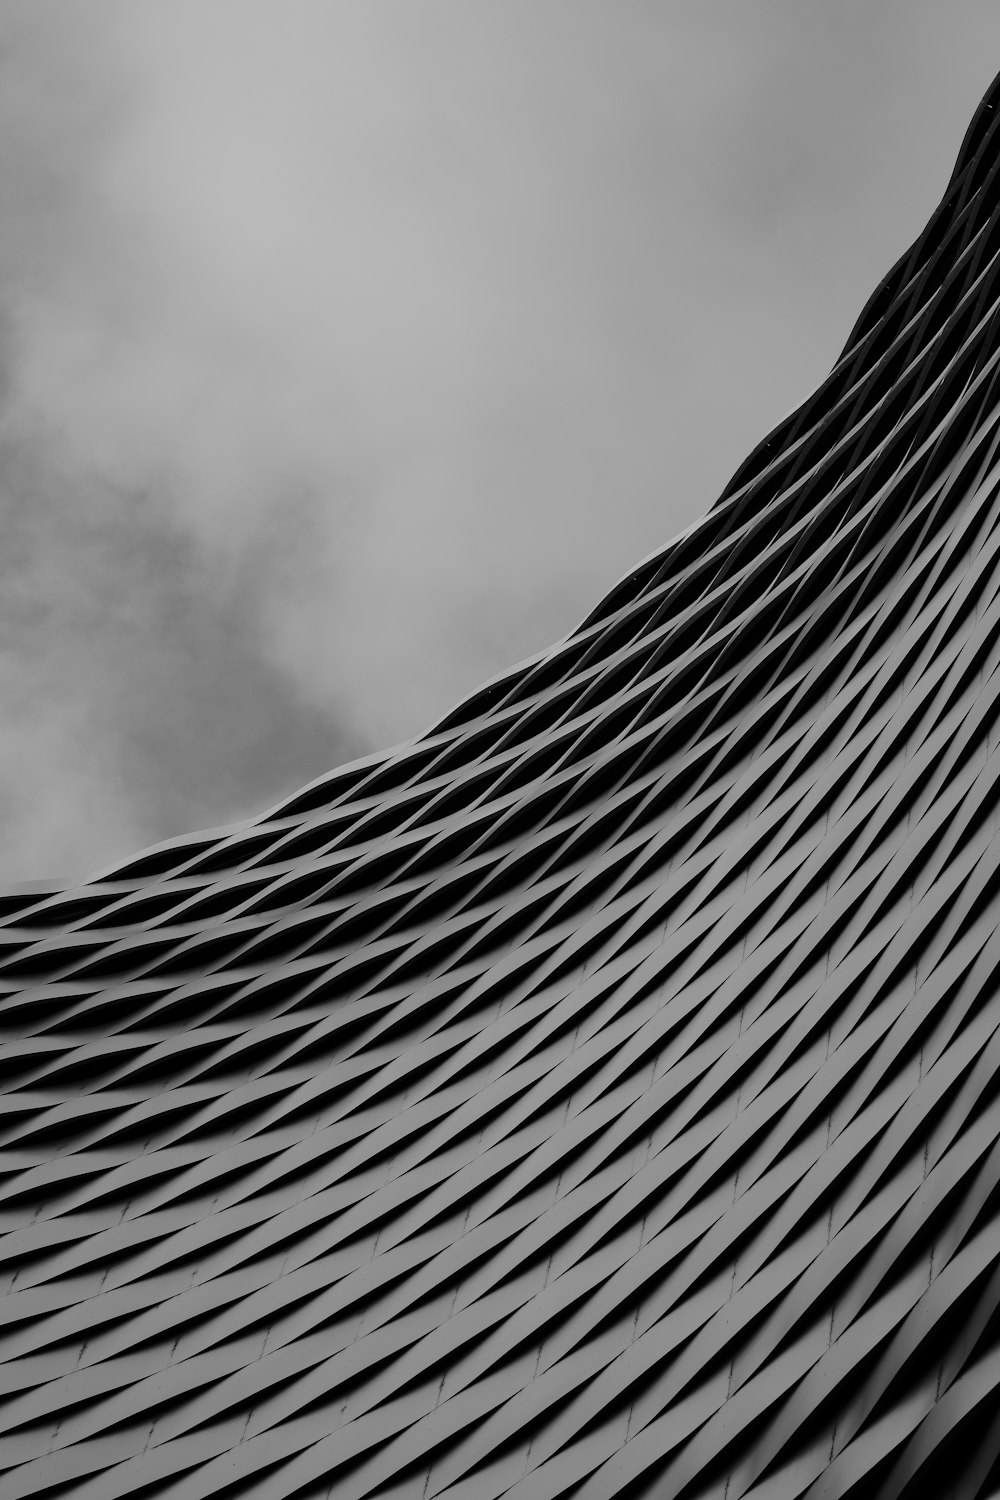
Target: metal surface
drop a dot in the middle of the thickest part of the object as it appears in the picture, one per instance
(599, 1096)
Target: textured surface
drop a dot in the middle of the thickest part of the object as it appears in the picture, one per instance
(598, 1096)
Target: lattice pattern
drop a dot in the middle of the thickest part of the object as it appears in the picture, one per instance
(598, 1096)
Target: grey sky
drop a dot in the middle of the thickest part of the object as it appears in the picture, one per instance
(350, 351)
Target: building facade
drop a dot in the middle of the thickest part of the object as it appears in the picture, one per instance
(600, 1095)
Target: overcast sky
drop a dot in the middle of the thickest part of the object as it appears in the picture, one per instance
(350, 350)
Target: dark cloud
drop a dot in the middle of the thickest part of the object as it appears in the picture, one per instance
(348, 352)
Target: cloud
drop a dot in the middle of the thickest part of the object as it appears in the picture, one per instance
(349, 352)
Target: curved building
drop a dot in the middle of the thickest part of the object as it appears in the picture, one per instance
(600, 1095)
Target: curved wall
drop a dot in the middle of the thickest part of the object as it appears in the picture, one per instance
(600, 1095)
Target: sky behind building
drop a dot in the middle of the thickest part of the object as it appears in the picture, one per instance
(350, 351)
